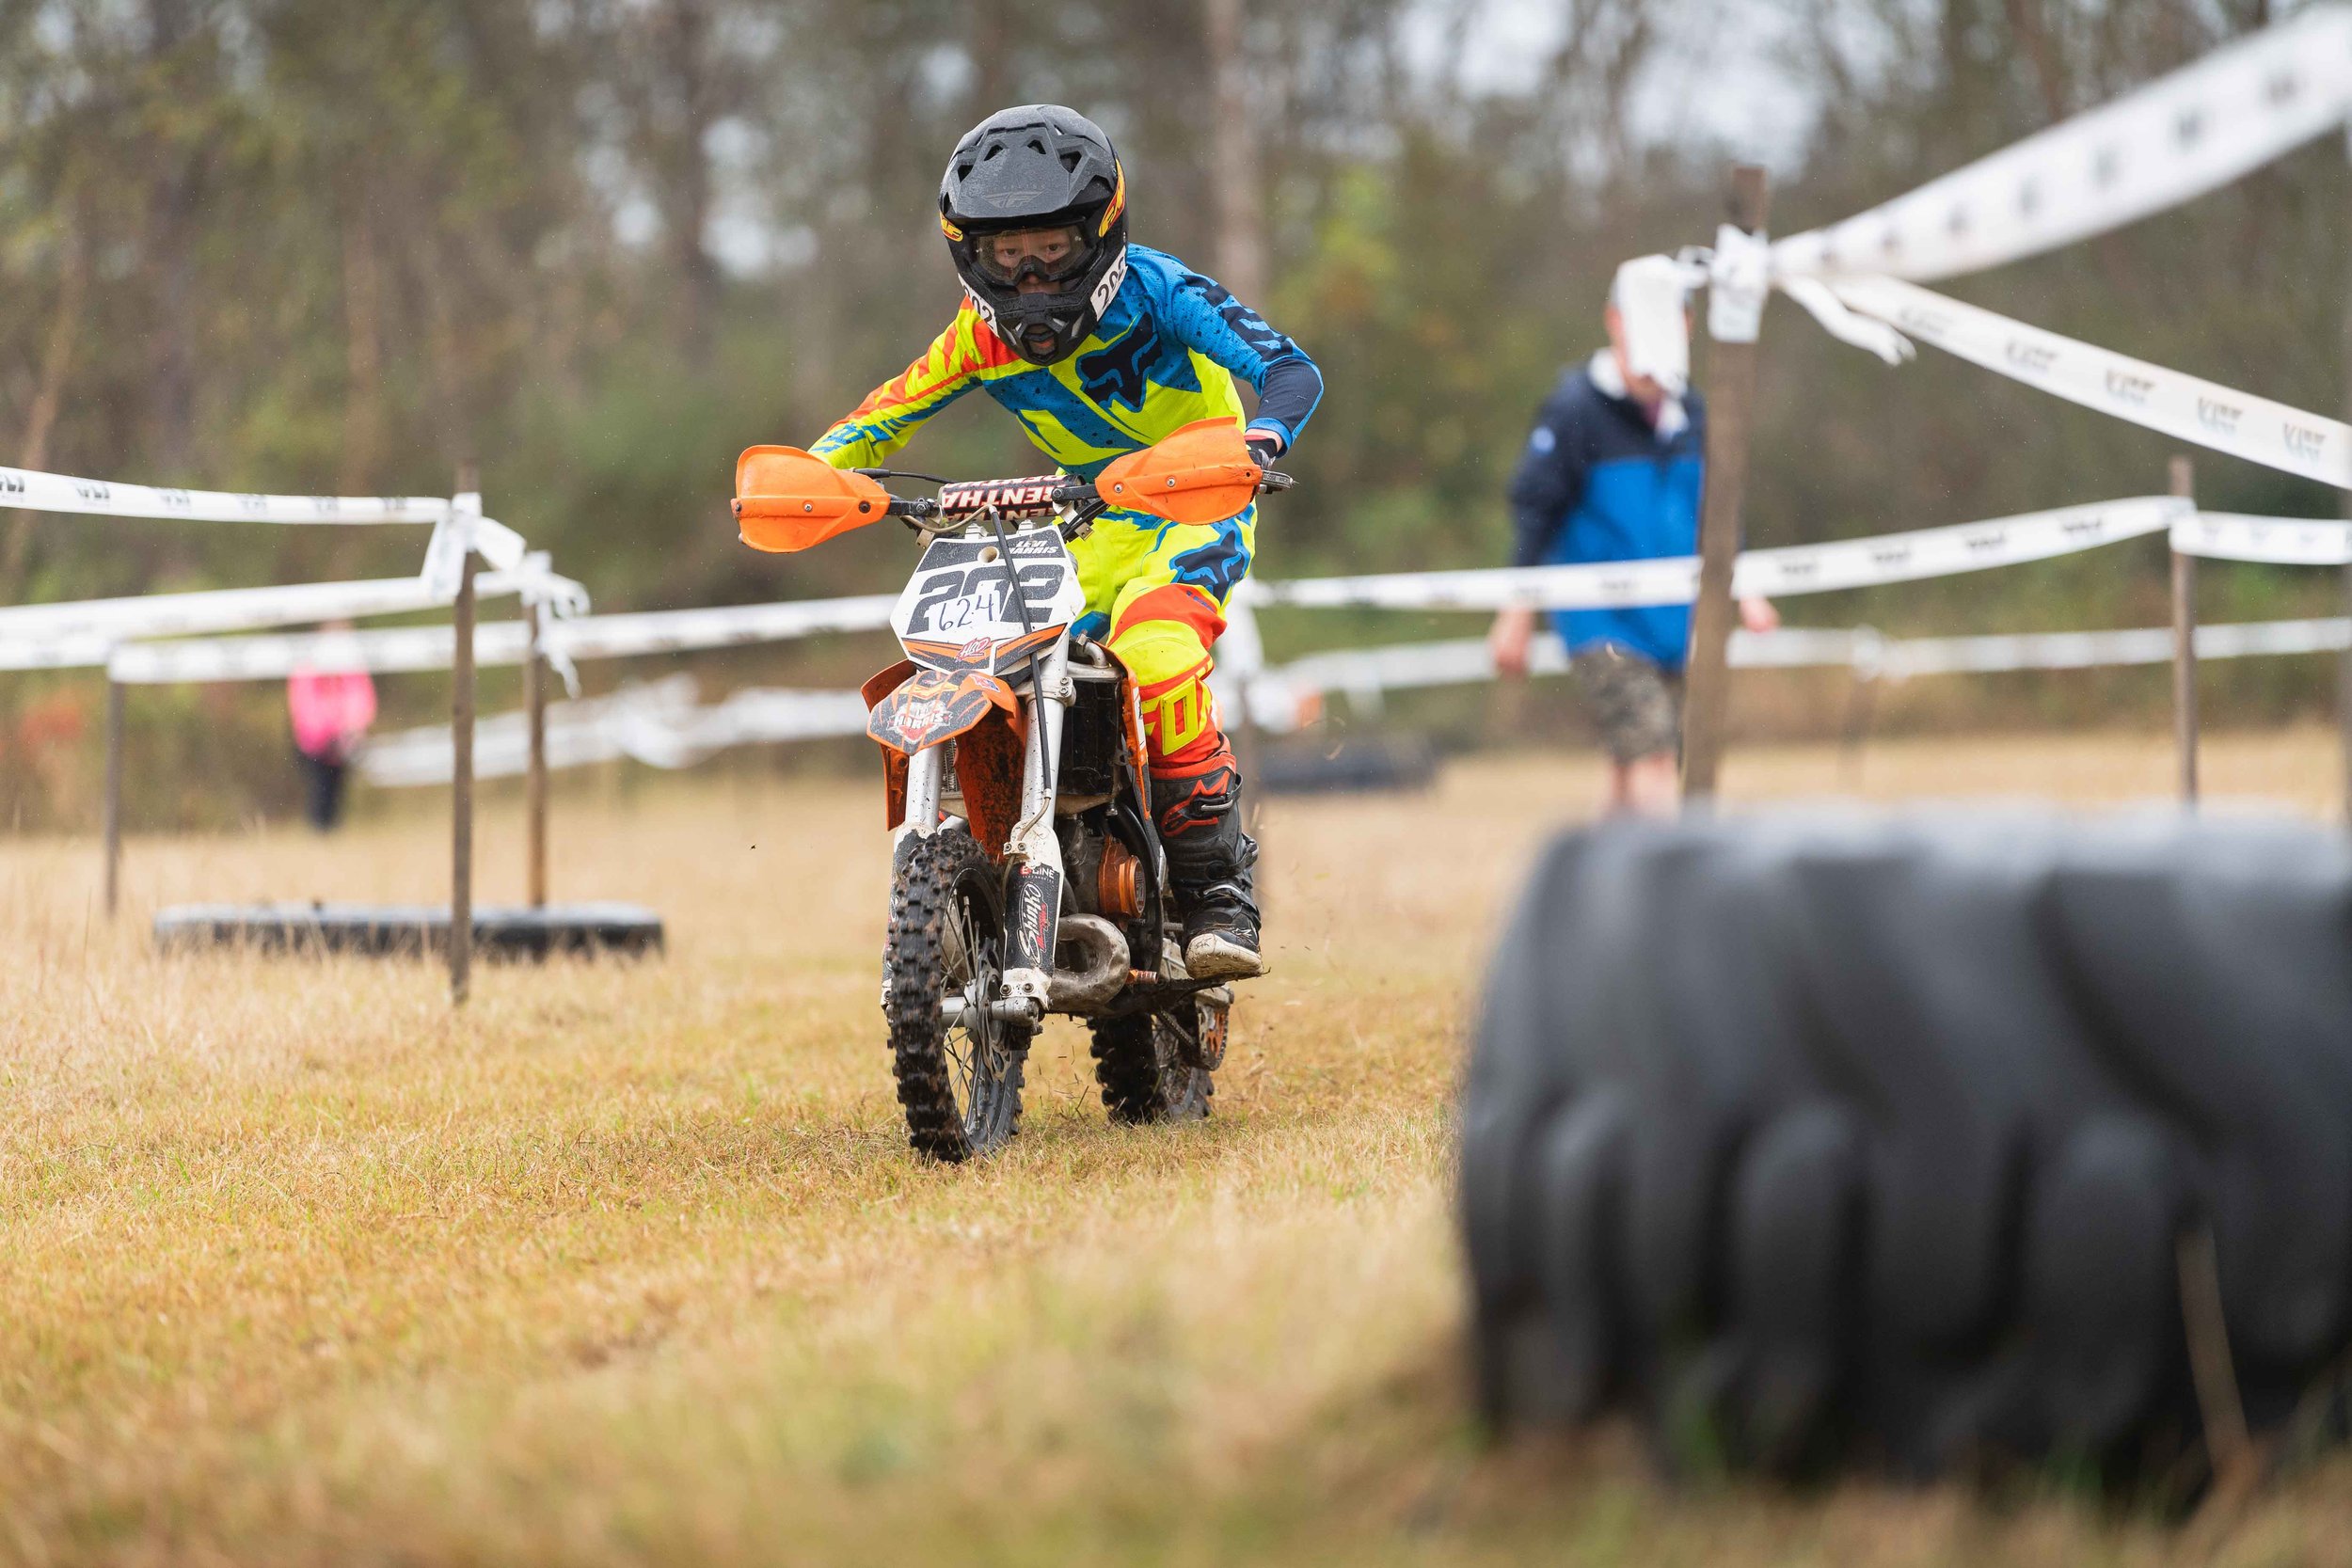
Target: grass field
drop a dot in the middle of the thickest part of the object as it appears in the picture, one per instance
(629, 1264)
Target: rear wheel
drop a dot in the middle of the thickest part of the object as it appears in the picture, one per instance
(1157, 1067)
(958, 1065)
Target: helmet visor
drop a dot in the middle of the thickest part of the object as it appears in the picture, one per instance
(1057, 253)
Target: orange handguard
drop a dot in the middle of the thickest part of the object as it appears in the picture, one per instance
(1202, 474)
(787, 499)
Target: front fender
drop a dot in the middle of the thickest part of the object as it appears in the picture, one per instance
(932, 706)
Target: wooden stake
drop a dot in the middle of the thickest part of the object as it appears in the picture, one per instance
(1731, 418)
(1861, 706)
(2185, 644)
(1233, 151)
(461, 706)
(535, 764)
(114, 794)
(2236, 1463)
(1240, 258)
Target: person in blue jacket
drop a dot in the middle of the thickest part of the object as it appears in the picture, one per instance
(1612, 471)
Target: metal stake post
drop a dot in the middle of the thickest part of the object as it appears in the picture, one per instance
(2343, 661)
(114, 794)
(536, 762)
(1731, 422)
(2184, 645)
(467, 504)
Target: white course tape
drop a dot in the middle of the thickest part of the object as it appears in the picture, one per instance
(2093, 650)
(1775, 573)
(396, 650)
(415, 648)
(2282, 541)
(2191, 131)
(578, 732)
(725, 626)
(1363, 674)
(2180, 405)
(23, 488)
(85, 635)
(657, 725)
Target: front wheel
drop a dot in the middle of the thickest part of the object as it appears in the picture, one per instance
(1156, 1067)
(958, 1065)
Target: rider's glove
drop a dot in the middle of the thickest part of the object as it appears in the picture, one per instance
(1264, 447)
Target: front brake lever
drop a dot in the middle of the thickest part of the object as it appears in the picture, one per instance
(917, 513)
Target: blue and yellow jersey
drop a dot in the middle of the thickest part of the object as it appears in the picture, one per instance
(1166, 355)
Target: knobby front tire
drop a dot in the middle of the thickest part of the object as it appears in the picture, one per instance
(960, 1083)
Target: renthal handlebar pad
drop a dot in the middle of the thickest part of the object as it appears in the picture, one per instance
(1814, 1138)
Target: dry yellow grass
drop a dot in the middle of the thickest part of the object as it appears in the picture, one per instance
(629, 1264)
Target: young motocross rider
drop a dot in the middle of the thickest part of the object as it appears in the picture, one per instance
(1100, 347)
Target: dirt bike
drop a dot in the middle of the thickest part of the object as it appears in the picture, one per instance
(1028, 874)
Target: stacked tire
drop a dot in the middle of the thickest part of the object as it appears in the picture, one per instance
(1816, 1140)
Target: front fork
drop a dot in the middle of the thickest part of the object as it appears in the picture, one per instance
(1033, 894)
(1033, 900)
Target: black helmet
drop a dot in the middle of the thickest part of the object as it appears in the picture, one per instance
(1049, 176)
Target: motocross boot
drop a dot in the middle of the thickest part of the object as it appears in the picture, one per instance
(1209, 861)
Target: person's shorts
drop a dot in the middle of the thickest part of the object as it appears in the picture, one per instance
(1636, 705)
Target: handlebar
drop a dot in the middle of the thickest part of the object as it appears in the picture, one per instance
(1014, 499)
(790, 500)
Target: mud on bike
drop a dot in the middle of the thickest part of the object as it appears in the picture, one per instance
(1028, 874)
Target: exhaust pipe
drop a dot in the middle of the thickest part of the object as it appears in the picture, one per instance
(1090, 965)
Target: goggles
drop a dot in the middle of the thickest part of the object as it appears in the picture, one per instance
(1057, 254)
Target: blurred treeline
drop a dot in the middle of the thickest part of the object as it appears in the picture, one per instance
(599, 245)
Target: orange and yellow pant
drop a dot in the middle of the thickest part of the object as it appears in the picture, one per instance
(1156, 593)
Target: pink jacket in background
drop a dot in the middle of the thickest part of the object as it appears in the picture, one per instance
(330, 711)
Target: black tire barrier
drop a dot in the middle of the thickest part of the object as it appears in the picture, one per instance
(410, 930)
(1362, 765)
(1815, 1140)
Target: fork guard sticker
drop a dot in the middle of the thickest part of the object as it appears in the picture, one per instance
(1035, 917)
(935, 705)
